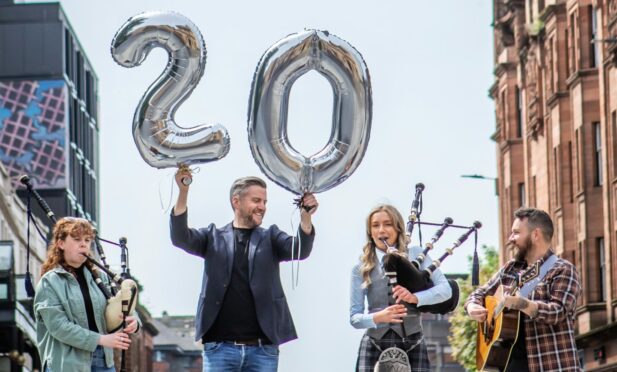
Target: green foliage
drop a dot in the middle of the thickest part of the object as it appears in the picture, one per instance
(463, 330)
(536, 27)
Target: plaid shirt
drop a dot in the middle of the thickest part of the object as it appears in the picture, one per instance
(550, 335)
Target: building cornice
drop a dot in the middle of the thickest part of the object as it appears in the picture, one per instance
(492, 91)
(592, 306)
(596, 335)
(495, 136)
(552, 10)
(505, 145)
(578, 75)
(502, 68)
(554, 98)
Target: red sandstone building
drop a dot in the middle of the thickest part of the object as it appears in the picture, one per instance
(555, 96)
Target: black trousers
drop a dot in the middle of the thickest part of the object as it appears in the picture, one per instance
(517, 364)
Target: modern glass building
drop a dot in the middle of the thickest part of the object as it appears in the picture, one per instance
(49, 124)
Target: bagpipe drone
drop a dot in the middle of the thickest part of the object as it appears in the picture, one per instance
(120, 292)
(411, 275)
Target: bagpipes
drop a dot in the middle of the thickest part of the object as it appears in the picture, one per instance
(120, 292)
(411, 275)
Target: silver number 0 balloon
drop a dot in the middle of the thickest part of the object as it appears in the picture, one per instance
(160, 141)
(280, 66)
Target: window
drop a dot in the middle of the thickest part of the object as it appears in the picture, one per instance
(567, 51)
(555, 65)
(88, 91)
(593, 31)
(571, 59)
(159, 356)
(597, 146)
(519, 113)
(576, 37)
(580, 263)
(79, 76)
(6, 255)
(20, 288)
(4, 291)
(68, 52)
(614, 129)
(557, 175)
(503, 113)
(521, 194)
(581, 357)
(578, 159)
(602, 269)
(94, 205)
(570, 171)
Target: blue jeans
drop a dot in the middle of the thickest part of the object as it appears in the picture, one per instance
(98, 362)
(227, 357)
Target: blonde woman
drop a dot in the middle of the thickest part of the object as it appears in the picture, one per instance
(382, 321)
(70, 309)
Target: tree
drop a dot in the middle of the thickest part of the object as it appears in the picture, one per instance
(463, 330)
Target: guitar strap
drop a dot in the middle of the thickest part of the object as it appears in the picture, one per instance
(530, 285)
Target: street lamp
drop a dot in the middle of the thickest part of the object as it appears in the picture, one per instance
(481, 177)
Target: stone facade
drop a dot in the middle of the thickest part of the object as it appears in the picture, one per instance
(556, 134)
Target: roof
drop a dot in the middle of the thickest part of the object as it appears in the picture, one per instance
(182, 340)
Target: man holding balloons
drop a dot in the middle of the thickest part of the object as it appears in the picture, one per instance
(242, 315)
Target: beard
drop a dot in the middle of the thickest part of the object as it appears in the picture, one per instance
(250, 219)
(520, 250)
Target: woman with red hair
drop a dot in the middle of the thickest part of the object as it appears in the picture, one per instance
(70, 309)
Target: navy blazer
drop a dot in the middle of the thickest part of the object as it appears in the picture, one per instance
(267, 248)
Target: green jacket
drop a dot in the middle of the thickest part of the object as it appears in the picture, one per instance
(64, 340)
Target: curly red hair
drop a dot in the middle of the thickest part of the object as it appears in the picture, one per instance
(76, 228)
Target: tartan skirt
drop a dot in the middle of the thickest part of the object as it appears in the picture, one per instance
(414, 345)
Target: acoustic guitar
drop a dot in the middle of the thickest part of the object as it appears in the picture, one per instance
(497, 334)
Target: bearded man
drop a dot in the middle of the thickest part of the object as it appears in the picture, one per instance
(242, 315)
(546, 331)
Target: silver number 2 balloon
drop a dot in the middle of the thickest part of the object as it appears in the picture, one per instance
(280, 66)
(160, 141)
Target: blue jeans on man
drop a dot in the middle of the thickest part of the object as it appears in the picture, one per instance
(232, 357)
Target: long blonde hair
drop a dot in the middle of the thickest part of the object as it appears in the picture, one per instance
(76, 228)
(367, 259)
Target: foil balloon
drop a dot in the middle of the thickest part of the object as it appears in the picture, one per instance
(160, 141)
(280, 66)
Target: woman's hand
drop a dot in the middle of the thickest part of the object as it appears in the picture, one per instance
(391, 314)
(118, 340)
(131, 324)
(401, 293)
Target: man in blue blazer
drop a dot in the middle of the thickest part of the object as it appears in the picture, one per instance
(242, 315)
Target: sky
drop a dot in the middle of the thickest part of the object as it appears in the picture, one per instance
(431, 68)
